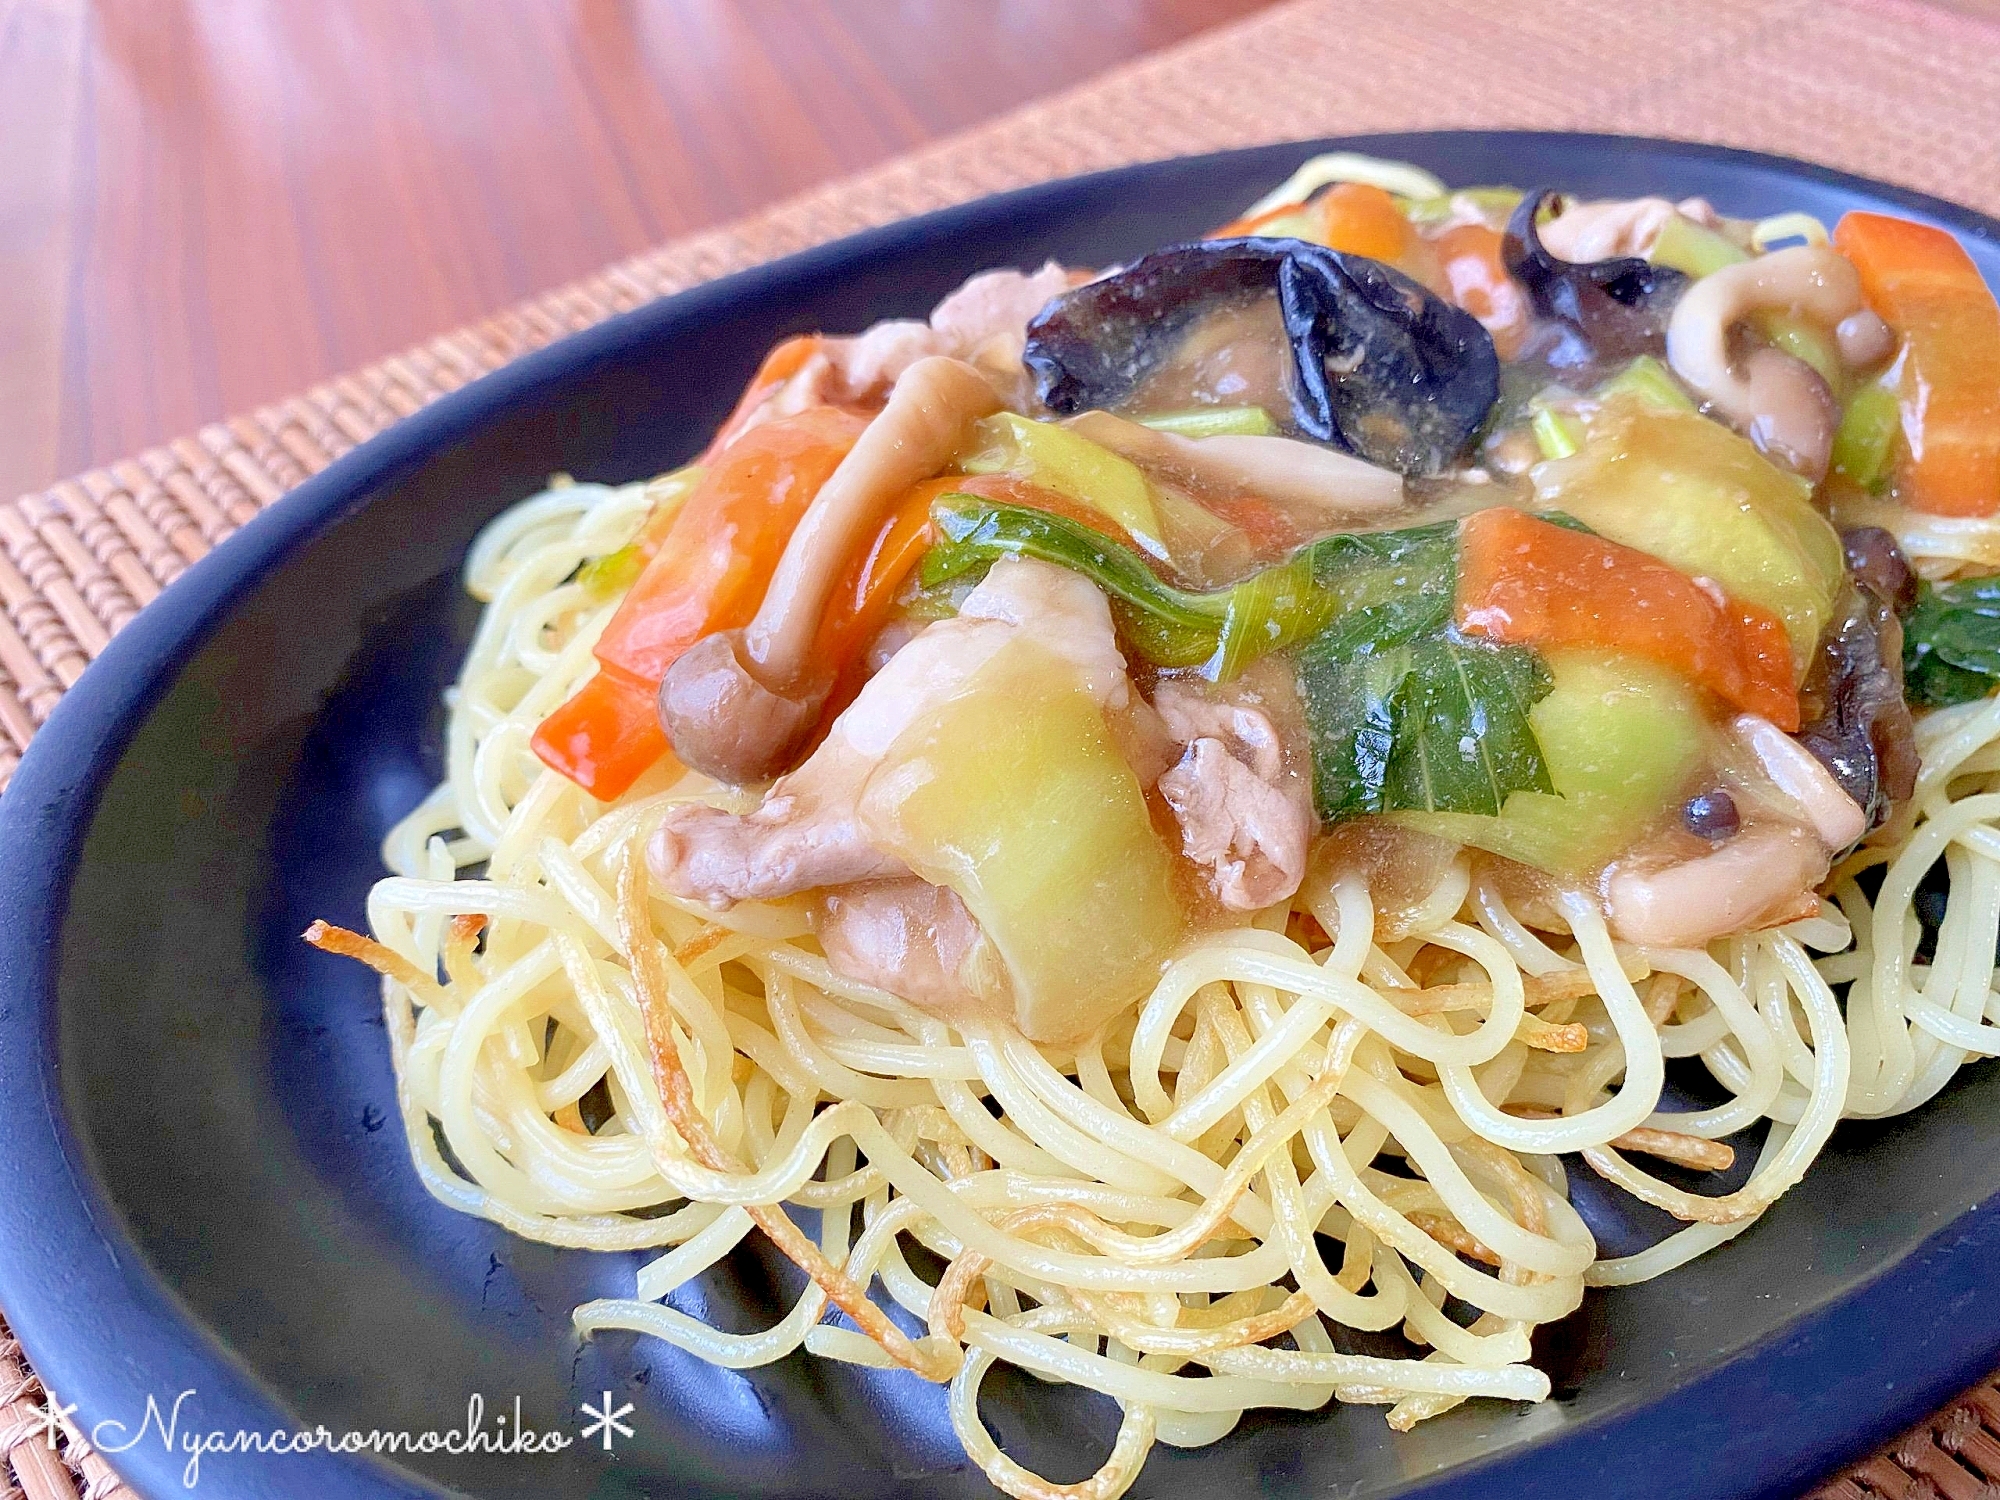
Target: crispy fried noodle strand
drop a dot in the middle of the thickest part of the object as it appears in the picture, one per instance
(1177, 1213)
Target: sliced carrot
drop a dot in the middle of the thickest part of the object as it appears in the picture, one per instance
(867, 592)
(1273, 531)
(726, 540)
(783, 362)
(711, 571)
(606, 736)
(1364, 220)
(1924, 286)
(1526, 582)
(709, 574)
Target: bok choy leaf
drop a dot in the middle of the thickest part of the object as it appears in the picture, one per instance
(1405, 715)
(1170, 627)
(1434, 723)
(1951, 643)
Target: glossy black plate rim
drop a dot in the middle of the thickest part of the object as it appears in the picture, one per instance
(104, 1330)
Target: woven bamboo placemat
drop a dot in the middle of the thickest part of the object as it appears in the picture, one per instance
(1888, 88)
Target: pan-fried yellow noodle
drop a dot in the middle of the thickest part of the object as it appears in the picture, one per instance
(1147, 1213)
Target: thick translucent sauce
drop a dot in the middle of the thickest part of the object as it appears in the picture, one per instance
(1239, 357)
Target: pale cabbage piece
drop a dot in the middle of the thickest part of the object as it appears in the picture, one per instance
(1014, 794)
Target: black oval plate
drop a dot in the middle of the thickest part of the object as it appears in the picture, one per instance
(208, 1201)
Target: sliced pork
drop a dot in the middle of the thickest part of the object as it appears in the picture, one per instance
(1242, 812)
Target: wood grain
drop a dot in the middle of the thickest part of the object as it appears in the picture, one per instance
(209, 204)
(39, 40)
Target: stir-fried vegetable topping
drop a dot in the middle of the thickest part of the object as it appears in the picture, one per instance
(1168, 626)
(1691, 493)
(1403, 711)
(1360, 218)
(1015, 796)
(1858, 723)
(1693, 249)
(1473, 266)
(610, 575)
(1620, 739)
(1650, 383)
(1221, 631)
(709, 573)
(1058, 459)
(1865, 442)
(1385, 369)
(1095, 344)
(1524, 581)
(1549, 686)
(1214, 421)
(866, 594)
(1428, 724)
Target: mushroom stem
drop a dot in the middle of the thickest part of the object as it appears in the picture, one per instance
(1778, 401)
(1323, 483)
(741, 705)
(920, 429)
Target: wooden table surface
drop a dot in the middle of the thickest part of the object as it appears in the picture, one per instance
(210, 204)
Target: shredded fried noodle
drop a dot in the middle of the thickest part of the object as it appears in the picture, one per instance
(1149, 1213)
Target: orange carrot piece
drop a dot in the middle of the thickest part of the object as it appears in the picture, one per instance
(1526, 582)
(726, 540)
(1364, 220)
(605, 737)
(1923, 284)
(867, 592)
(1273, 531)
(709, 574)
(781, 364)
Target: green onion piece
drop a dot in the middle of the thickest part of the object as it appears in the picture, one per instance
(1649, 382)
(1866, 439)
(1268, 611)
(1687, 246)
(1497, 201)
(1555, 434)
(1787, 226)
(1067, 462)
(612, 574)
(1810, 344)
(1215, 421)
